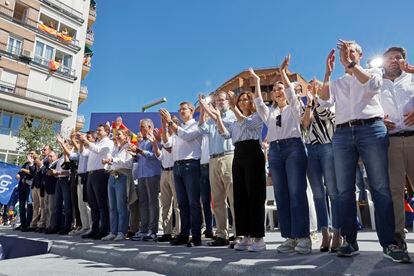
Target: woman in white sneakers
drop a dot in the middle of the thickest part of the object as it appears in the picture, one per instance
(248, 170)
(288, 162)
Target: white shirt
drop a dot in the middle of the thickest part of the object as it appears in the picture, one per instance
(354, 100)
(83, 161)
(397, 99)
(59, 169)
(205, 151)
(166, 158)
(121, 159)
(290, 117)
(98, 151)
(187, 143)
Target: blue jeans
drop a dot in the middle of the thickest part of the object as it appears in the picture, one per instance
(321, 172)
(117, 194)
(205, 193)
(287, 161)
(187, 187)
(360, 183)
(371, 143)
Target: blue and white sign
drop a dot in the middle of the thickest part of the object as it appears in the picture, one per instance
(8, 181)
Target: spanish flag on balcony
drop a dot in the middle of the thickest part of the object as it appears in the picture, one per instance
(54, 65)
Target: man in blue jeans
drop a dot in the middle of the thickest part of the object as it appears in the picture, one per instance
(186, 151)
(360, 131)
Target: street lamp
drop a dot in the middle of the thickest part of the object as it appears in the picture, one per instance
(157, 102)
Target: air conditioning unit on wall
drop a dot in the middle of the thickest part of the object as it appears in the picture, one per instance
(26, 56)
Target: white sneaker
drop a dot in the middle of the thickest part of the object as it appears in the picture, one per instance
(243, 244)
(120, 237)
(287, 246)
(303, 246)
(314, 237)
(258, 245)
(109, 237)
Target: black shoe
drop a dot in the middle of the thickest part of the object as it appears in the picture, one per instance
(219, 242)
(396, 254)
(208, 234)
(89, 235)
(31, 229)
(150, 237)
(18, 228)
(348, 250)
(194, 242)
(63, 232)
(51, 231)
(40, 230)
(232, 238)
(25, 229)
(129, 235)
(401, 243)
(179, 240)
(99, 236)
(165, 238)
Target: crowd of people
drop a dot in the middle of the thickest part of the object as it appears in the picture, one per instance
(108, 188)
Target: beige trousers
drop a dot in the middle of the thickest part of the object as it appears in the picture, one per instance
(168, 201)
(221, 182)
(401, 164)
(38, 219)
(49, 207)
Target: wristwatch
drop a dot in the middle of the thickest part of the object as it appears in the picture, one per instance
(352, 64)
(170, 123)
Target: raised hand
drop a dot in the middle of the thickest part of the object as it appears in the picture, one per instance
(232, 98)
(165, 114)
(330, 62)
(405, 66)
(344, 52)
(60, 139)
(157, 134)
(215, 112)
(150, 137)
(254, 75)
(285, 63)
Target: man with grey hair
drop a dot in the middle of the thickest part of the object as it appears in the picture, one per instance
(360, 132)
(220, 166)
(148, 174)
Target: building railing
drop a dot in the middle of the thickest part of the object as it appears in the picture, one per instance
(90, 35)
(65, 9)
(33, 25)
(22, 92)
(92, 11)
(80, 118)
(84, 90)
(61, 69)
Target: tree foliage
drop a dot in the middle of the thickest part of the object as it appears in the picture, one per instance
(34, 134)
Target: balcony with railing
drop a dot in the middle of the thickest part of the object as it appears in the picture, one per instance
(64, 34)
(65, 9)
(92, 13)
(35, 96)
(80, 122)
(83, 94)
(90, 36)
(86, 67)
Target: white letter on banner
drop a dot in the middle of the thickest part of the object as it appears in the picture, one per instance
(5, 181)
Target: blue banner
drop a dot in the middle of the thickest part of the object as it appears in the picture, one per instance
(8, 181)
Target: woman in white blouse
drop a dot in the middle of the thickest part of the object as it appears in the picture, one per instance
(288, 162)
(248, 170)
(120, 161)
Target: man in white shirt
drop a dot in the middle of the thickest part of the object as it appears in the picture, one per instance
(397, 100)
(360, 131)
(186, 152)
(97, 184)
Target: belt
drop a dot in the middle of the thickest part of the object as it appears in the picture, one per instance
(168, 169)
(359, 122)
(180, 162)
(96, 171)
(221, 154)
(286, 141)
(204, 166)
(402, 134)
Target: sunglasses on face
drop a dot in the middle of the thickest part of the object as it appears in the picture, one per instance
(279, 120)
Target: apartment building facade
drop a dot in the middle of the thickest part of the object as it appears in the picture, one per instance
(44, 56)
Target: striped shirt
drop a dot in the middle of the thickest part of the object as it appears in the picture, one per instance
(249, 129)
(321, 128)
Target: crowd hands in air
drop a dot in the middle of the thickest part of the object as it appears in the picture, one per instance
(113, 190)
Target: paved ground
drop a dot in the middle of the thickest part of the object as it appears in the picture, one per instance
(51, 265)
(165, 259)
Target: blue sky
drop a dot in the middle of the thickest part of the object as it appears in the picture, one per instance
(146, 50)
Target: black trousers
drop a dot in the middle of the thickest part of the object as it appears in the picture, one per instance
(84, 181)
(98, 201)
(249, 188)
(25, 214)
(74, 198)
(63, 205)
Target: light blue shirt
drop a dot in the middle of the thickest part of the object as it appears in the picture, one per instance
(218, 143)
(148, 163)
(249, 129)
